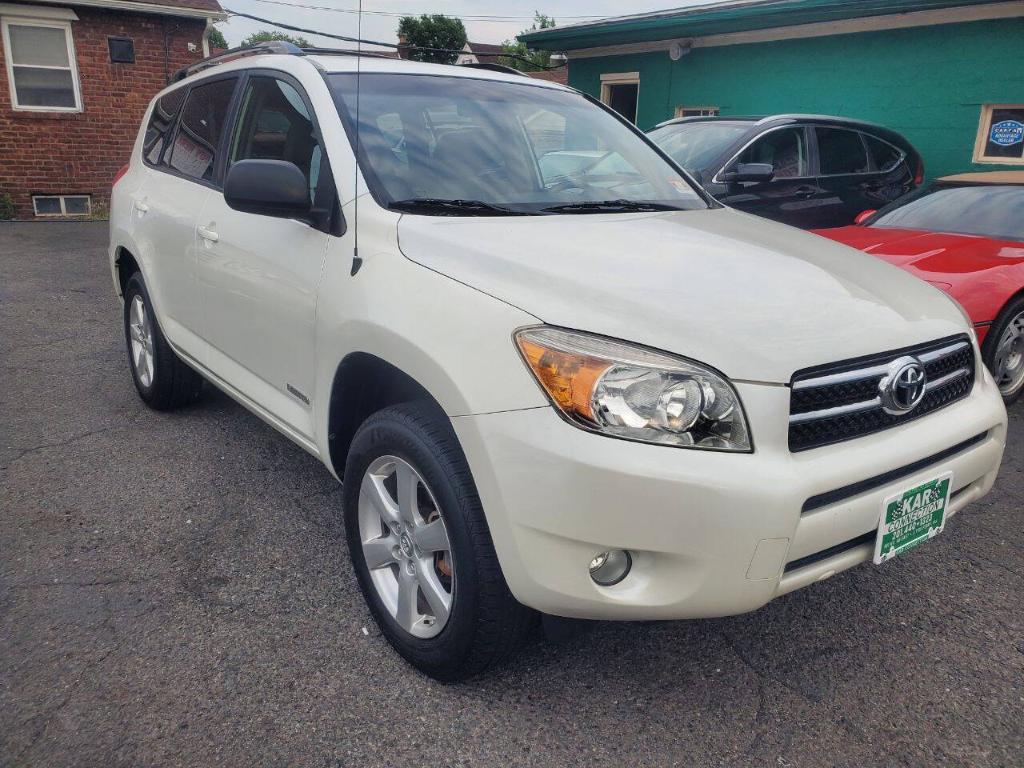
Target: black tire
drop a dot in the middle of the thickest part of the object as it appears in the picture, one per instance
(1013, 309)
(486, 623)
(173, 383)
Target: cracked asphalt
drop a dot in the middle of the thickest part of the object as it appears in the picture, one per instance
(174, 590)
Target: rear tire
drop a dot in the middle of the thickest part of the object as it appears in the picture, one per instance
(1003, 350)
(482, 623)
(163, 381)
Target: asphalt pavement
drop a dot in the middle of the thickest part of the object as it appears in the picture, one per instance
(175, 591)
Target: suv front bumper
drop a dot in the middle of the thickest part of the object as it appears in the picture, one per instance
(711, 534)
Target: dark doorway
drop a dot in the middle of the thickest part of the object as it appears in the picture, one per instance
(622, 98)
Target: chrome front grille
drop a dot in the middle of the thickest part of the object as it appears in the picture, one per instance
(843, 401)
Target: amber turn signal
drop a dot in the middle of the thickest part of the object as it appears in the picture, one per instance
(568, 378)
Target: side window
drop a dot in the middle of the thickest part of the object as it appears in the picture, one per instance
(885, 155)
(275, 124)
(160, 124)
(840, 152)
(785, 150)
(201, 125)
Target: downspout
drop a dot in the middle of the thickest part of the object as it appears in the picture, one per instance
(206, 37)
(167, 55)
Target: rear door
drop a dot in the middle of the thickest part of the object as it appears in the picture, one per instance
(168, 205)
(259, 275)
(793, 194)
(845, 173)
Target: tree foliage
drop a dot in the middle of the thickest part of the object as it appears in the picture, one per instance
(266, 35)
(217, 39)
(534, 60)
(433, 31)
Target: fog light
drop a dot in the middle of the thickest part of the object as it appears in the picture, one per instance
(610, 567)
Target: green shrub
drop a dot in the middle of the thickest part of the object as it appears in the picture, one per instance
(6, 207)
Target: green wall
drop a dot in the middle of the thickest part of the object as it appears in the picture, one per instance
(928, 83)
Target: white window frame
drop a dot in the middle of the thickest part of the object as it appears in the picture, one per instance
(704, 111)
(19, 21)
(984, 126)
(63, 205)
(608, 79)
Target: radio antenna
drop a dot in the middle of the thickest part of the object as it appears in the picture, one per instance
(357, 261)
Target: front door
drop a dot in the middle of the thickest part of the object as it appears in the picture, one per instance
(259, 275)
(792, 195)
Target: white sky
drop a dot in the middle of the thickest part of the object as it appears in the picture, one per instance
(507, 17)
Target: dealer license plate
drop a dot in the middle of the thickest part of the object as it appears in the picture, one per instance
(912, 517)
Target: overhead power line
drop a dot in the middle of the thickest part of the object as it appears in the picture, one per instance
(399, 14)
(381, 43)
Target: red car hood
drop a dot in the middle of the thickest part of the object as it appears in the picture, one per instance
(934, 256)
(981, 273)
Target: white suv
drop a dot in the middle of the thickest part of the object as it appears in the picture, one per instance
(553, 375)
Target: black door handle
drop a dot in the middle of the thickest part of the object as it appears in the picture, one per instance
(805, 191)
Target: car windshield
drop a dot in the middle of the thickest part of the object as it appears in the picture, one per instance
(695, 146)
(986, 210)
(459, 146)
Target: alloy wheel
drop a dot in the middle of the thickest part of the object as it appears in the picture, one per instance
(1009, 358)
(140, 332)
(406, 546)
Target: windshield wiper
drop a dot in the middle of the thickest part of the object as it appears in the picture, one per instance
(611, 206)
(439, 206)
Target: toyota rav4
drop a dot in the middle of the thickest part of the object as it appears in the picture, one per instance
(552, 374)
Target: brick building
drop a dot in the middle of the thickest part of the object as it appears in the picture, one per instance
(74, 83)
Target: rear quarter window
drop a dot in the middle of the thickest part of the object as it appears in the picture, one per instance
(160, 123)
(885, 156)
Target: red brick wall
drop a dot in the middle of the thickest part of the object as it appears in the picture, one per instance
(79, 153)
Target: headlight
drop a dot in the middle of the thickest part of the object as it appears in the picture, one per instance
(634, 393)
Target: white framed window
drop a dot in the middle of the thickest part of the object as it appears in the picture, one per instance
(1000, 134)
(697, 111)
(621, 92)
(41, 66)
(61, 205)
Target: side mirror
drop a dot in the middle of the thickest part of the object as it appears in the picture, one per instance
(864, 216)
(751, 172)
(268, 188)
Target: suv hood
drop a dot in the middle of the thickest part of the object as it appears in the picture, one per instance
(754, 299)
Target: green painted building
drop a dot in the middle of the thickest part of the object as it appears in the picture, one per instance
(947, 74)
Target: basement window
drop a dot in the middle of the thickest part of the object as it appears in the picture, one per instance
(1000, 134)
(41, 67)
(61, 205)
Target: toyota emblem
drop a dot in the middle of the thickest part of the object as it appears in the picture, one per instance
(903, 387)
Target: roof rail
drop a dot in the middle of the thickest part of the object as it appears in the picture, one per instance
(271, 46)
(494, 68)
(348, 52)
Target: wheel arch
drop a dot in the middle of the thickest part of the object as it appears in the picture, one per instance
(125, 265)
(363, 384)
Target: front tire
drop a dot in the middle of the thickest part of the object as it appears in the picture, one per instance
(163, 381)
(1003, 350)
(421, 547)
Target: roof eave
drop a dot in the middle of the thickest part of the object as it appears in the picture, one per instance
(725, 17)
(129, 5)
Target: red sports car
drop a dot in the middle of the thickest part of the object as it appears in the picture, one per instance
(965, 235)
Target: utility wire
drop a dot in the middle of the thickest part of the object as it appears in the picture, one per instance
(360, 42)
(398, 14)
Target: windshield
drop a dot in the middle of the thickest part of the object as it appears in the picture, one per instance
(461, 146)
(989, 211)
(696, 146)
